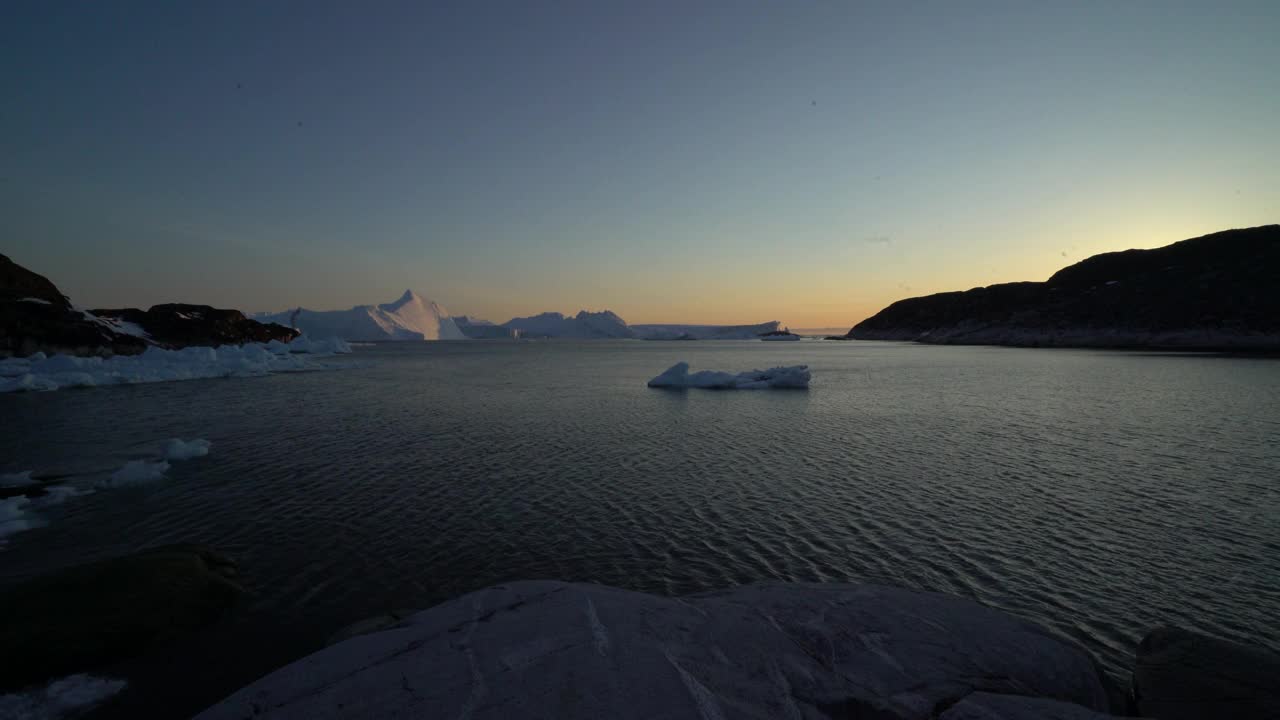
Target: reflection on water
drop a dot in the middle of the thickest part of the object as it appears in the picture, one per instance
(1099, 493)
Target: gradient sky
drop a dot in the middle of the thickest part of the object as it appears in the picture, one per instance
(808, 162)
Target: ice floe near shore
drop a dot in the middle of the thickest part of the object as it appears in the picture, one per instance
(16, 513)
(678, 376)
(39, 372)
(68, 697)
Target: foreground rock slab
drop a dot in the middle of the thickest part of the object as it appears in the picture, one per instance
(86, 616)
(559, 650)
(1181, 675)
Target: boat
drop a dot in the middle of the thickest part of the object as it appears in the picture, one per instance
(784, 334)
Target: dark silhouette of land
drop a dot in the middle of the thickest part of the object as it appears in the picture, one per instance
(1216, 292)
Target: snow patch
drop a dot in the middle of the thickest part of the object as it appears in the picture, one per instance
(678, 376)
(67, 697)
(35, 300)
(39, 372)
(136, 472)
(177, 449)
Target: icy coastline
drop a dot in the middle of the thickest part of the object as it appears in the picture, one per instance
(41, 372)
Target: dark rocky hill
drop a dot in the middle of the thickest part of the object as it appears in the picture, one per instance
(36, 317)
(1216, 292)
(180, 325)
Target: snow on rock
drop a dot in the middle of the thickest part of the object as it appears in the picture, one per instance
(40, 372)
(678, 376)
(772, 650)
(37, 301)
(136, 472)
(177, 449)
(68, 697)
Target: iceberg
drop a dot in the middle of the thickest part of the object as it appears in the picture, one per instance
(39, 372)
(704, 332)
(678, 376)
(592, 325)
(412, 317)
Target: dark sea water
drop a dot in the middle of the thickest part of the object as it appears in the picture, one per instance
(1099, 493)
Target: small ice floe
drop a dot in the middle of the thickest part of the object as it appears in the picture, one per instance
(70, 696)
(18, 513)
(177, 449)
(15, 516)
(145, 470)
(40, 372)
(136, 472)
(16, 479)
(678, 376)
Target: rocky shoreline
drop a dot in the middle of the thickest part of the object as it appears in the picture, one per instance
(573, 650)
(35, 317)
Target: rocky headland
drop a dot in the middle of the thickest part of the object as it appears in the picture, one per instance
(1218, 292)
(35, 317)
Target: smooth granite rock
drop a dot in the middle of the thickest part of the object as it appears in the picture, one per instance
(559, 650)
(1184, 676)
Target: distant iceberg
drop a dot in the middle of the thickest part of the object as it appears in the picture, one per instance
(678, 376)
(412, 317)
(704, 332)
(39, 372)
(584, 325)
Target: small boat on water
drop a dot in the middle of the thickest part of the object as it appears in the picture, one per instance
(784, 334)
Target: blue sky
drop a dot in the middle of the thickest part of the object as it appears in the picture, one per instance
(699, 162)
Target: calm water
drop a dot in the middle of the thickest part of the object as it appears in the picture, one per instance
(1099, 493)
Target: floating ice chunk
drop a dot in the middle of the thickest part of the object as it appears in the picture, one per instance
(16, 512)
(58, 494)
(157, 364)
(678, 376)
(135, 472)
(15, 516)
(177, 449)
(16, 479)
(68, 697)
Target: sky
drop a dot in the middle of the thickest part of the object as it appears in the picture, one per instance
(714, 162)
